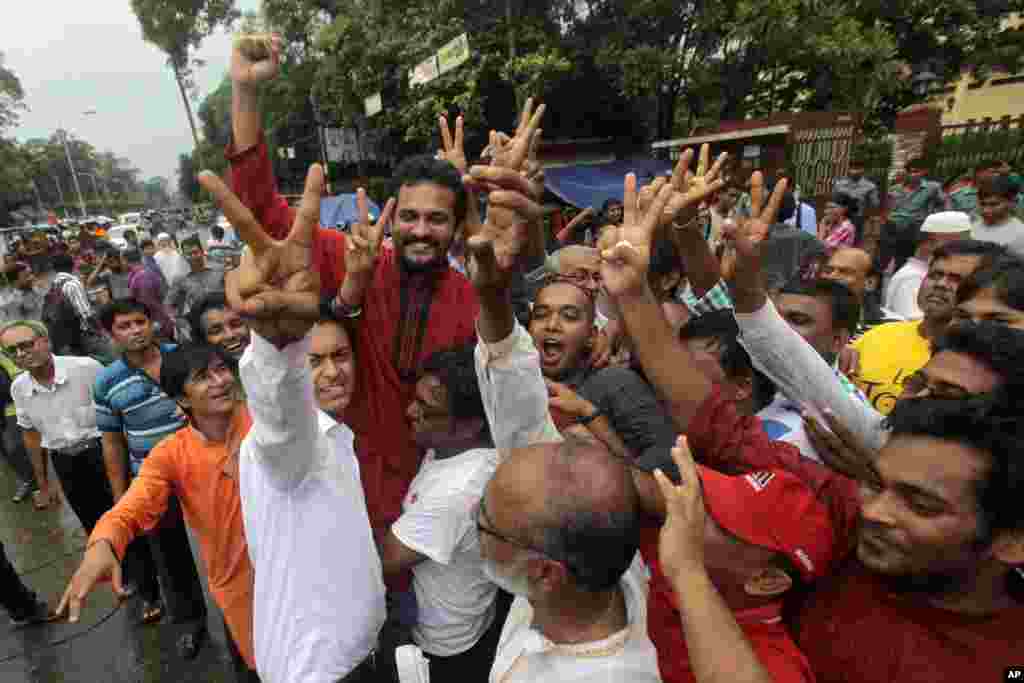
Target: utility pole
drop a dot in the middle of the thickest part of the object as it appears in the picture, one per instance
(74, 176)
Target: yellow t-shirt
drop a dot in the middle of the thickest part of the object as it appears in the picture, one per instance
(889, 354)
(12, 372)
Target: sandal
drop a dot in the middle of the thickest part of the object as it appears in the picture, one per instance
(152, 611)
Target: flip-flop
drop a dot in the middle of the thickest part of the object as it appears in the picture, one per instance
(152, 612)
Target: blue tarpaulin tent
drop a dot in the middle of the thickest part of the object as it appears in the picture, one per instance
(591, 185)
(340, 209)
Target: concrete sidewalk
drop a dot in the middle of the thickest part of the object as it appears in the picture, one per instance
(108, 645)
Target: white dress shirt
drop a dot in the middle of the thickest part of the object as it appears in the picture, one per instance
(454, 597)
(901, 292)
(804, 379)
(64, 414)
(319, 594)
(516, 401)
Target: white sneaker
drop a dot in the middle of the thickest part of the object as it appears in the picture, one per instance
(413, 667)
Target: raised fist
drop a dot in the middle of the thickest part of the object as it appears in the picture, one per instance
(255, 58)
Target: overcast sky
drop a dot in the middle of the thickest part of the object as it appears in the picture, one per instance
(72, 56)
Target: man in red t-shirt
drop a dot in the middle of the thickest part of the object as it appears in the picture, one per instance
(935, 590)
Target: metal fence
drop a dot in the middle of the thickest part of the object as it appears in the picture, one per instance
(818, 156)
(965, 145)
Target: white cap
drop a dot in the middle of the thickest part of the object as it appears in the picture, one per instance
(947, 223)
(163, 236)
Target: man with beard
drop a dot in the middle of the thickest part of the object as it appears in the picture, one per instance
(458, 620)
(408, 301)
(942, 501)
(213, 321)
(892, 352)
(200, 281)
(936, 591)
(134, 415)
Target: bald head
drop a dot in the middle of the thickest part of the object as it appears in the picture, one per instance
(576, 502)
(576, 262)
(854, 268)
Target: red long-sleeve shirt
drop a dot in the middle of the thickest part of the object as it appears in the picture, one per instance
(723, 439)
(388, 457)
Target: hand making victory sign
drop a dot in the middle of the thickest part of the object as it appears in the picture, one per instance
(495, 246)
(275, 286)
(363, 243)
(626, 249)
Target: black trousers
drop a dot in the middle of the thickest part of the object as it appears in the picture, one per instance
(243, 674)
(83, 477)
(473, 665)
(15, 596)
(897, 243)
(14, 452)
(182, 590)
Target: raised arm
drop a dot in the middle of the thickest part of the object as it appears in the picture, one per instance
(508, 365)
(254, 61)
(719, 650)
(798, 371)
(276, 287)
(625, 258)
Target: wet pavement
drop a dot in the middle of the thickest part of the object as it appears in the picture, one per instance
(108, 644)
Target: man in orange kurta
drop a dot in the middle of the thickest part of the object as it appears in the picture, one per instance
(199, 465)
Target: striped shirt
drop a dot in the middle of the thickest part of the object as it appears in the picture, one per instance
(128, 401)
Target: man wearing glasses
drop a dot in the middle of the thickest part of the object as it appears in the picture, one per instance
(54, 403)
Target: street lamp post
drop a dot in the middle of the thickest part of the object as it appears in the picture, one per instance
(60, 193)
(74, 175)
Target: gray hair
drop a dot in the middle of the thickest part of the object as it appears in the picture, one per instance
(34, 325)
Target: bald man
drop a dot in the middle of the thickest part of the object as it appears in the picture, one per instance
(559, 524)
(559, 528)
(857, 269)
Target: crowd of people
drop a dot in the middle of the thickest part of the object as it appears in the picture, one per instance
(720, 441)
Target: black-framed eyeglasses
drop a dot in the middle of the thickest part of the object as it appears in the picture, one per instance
(485, 525)
(20, 347)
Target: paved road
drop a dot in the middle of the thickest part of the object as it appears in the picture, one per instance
(107, 645)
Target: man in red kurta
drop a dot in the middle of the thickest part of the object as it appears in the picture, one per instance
(412, 304)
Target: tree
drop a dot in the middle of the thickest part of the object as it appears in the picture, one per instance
(188, 183)
(178, 27)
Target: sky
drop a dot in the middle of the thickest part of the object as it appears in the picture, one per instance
(72, 56)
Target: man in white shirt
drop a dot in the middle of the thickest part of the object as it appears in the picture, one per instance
(997, 198)
(318, 602)
(559, 521)
(172, 264)
(55, 409)
(459, 620)
(937, 229)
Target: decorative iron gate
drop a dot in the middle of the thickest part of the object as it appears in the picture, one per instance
(965, 145)
(819, 155)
